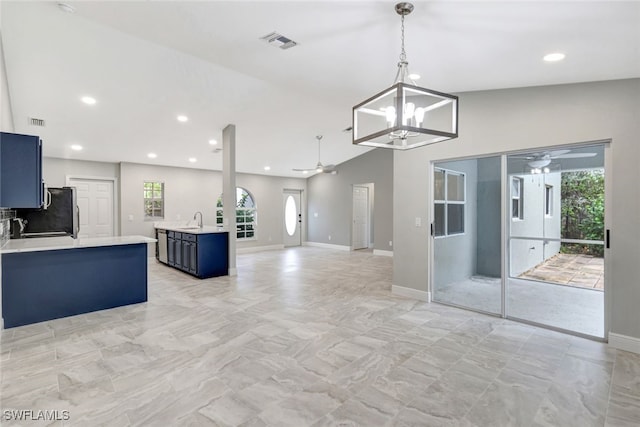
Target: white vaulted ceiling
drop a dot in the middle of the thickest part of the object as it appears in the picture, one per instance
(147, 62)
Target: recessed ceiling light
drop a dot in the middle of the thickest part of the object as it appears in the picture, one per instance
(554, 57)
(76, 147)
(66, 8)
(152, 155)
(213, 142)
(305, 172)
(193, 159)
(414, 76)
(182, 118)
(267, 168)
(88, 100)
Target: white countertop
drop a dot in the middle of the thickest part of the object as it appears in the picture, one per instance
(207, 229)
(57, 243)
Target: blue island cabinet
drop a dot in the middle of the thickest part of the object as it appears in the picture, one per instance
(49, 284)
(21, 184)
(202, 255)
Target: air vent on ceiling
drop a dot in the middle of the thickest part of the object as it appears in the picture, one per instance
(278, 40)
(36, 122)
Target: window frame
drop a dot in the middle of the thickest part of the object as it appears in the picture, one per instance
(153, 200)
(247, 212)
(548, 201)
(519, 198)
(446, 202)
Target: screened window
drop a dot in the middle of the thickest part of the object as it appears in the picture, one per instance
(246, 214)
(517, 198)
(548, 200)
(449, 202)
(153, 200)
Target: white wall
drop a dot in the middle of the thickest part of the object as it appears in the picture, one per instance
(519, 119)
(330, 197)
(6, 115)
(526, 254)
(190, 190)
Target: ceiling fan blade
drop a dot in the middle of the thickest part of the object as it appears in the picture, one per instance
(556, 153)
(303, 170)
(329, 168)
(574, 155)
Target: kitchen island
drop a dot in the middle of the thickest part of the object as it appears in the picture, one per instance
(200, 251)
(49, 278)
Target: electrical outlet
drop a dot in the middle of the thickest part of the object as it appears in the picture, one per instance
(130, 218)
(418, 221)
(329, 236)
(390, 243)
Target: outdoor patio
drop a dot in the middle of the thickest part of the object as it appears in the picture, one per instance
(581, 271)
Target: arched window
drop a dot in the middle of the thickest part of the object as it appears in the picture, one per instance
(246, 214)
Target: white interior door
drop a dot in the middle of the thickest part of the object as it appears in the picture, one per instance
(95, 202)
(292, 218)
(360, 231)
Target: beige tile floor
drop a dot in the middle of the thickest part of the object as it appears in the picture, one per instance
(582, 271)
(309, 337)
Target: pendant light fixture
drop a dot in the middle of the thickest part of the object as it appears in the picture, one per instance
(405, 116)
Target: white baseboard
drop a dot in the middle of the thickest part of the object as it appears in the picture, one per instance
(328, 246)
(411, 293)
(251, 249)
(383, 253)
(233, 272)
(624, 342)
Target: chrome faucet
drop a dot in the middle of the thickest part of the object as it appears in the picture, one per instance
(199, 222)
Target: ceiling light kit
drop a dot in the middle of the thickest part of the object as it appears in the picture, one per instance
(405, 116)
(319, 166)
(540, 162)
(76, 147)
(89, 100)
(182, 119)
(152, 155)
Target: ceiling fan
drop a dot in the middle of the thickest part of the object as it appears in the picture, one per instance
(544, 158)
(319, 167)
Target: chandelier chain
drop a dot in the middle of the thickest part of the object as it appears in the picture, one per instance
(403, 54)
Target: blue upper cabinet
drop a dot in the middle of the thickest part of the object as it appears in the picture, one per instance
(21, 184)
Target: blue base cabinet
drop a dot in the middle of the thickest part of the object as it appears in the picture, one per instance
(21, 184)
(202, 255)
(46, 285)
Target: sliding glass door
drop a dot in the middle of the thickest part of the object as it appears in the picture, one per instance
(556, 239)
(466, 234)
(523, 236)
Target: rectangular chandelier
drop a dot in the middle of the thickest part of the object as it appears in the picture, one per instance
(405, 116)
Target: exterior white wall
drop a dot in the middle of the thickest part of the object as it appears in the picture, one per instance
(526, 254)
(521, 119)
